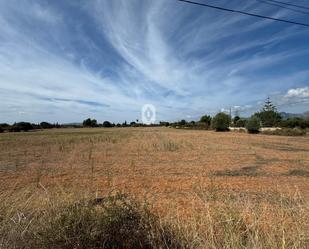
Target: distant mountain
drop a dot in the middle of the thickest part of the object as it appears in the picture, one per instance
(286, 115)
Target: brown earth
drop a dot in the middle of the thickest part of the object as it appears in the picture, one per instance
(166, 164)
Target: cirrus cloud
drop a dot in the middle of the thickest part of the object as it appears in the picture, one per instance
(67, 60)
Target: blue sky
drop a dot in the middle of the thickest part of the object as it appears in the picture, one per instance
(66, 60)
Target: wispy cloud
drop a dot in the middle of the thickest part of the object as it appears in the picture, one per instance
(63, 61)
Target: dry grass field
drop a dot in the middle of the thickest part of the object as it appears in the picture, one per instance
(216, 190)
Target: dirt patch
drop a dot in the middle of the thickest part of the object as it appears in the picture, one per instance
(244, 171)
(298, 172)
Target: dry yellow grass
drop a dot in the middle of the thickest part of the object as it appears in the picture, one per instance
(200, 182)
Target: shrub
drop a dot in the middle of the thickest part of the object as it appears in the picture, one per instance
(4, 126)
(221, 122)
(241, 122)
(46, 125)
(107, 124)
(1, 130)
(182, 122)
(90, 122)
(22, 126)
(253, 125)
(269, 115)
(235, 119)
(286, 132)
(14, 128)
(295, 122)
(269, 118)
(206, 119)
(163, 123)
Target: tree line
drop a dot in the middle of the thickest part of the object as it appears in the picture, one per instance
(268, 116)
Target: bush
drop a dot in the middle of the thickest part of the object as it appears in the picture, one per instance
(236, 118)
(90, 122)
(241, 122)
(4, 126)
(253, 125)
(1, 130)
(286, 132)
(295, 122)
(14, 128)
(221, 122)
(162, 123)
(23, 126)
(269, 118)
(206, 119)
(182, 122)
(46, 125)
(107, 124)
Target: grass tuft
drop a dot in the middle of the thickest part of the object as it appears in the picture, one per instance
(115, 221)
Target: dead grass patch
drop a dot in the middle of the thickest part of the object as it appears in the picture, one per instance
(298, 172)
(39, 170)
(244, 171)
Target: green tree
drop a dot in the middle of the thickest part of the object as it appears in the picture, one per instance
(269, 106)
(90, 122)
(46, 125)
(295, 122)
(87, 122)
(253, 125)
(94, 123)
(182, 122)
(24, 126)
(269, 115)
(206, 119)
(107, 124)
(235, 119)
(241, 123)
(221, 122)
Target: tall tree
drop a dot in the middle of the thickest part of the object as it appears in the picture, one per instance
(90, 122)
(221, 122)
(269, 115)
(269, 106)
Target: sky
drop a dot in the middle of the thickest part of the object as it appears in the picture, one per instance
(67, 60)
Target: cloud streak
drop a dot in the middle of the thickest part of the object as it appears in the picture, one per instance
(67, 61)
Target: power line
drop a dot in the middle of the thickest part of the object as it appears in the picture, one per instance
(282, 6)
(290, 4)
(244, 13)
